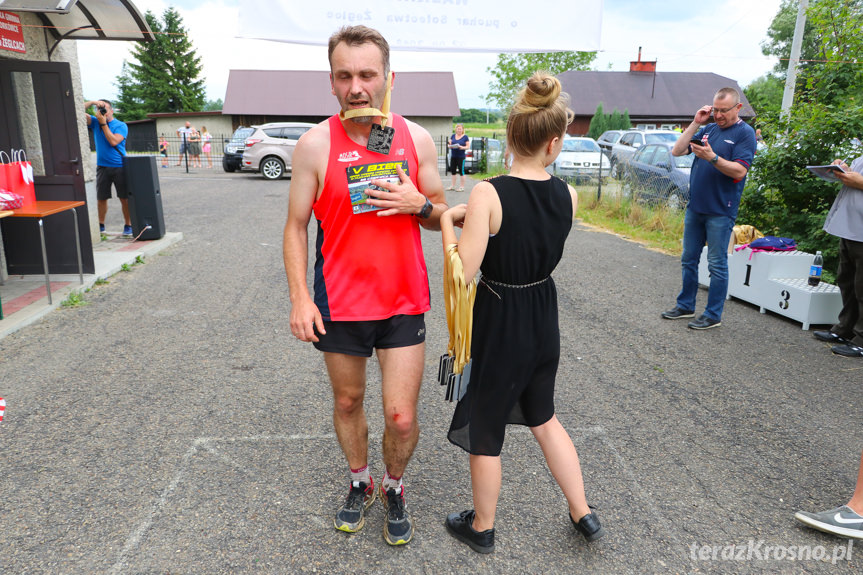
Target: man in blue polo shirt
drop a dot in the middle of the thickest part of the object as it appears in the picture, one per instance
(722, 161)
(110, 135)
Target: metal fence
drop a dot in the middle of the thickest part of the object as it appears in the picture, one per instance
(179, 151)
(659, 185)
(482, 157)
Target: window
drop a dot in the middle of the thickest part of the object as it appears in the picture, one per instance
(579, 146)
(645, 155)
(293, 133)
(660, 157)
(660, 138)
(684, 161)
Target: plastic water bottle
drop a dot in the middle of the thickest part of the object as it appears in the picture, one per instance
(815, 270)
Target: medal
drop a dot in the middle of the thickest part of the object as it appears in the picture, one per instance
(381, 139)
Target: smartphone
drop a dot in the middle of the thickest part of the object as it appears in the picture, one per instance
(696, 141)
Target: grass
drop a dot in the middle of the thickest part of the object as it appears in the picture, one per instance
(657, 227)
(495, 130)
(128, 267)
(74, 299)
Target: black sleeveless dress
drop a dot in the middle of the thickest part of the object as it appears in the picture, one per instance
(515, 346)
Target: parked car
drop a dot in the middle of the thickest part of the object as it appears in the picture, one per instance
(269, 148)
(580, 159)
(478, 146)
(656, 177)
(631, 140)
(232, 160)
(608, 138)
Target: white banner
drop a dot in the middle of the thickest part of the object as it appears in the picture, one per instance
(432, 25)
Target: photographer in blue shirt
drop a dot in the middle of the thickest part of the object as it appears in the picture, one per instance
(110, 135)
(723, 154)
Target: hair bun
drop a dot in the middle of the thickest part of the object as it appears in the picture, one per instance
(542, 90)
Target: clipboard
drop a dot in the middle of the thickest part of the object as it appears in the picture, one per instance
(827, 172)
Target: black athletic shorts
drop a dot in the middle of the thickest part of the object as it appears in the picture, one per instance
(106, 176)
(361, 337)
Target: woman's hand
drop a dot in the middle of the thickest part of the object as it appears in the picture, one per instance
(455, 215)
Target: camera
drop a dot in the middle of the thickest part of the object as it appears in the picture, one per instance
(103, 110)
(696, 141)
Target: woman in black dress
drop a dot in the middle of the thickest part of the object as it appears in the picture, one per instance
(514, 230)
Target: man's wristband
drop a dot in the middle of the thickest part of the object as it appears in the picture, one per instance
(426, 210)
(715, 159)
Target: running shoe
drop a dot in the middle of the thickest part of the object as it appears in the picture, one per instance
(398, 528)
(351, 517)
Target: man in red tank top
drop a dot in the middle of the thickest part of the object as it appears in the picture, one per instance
(371, 285)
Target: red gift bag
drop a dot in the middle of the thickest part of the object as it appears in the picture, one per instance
(19, 177)
(3, 165)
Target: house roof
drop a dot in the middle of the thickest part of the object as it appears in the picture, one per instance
(307, 93)
(675, 94)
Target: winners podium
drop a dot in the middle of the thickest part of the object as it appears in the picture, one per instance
(778, 282)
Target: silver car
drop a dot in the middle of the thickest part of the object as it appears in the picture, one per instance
(580, 159)
(625, 148)
(270, 147)
(608, 138)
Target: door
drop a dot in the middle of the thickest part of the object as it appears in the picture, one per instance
(38, 113)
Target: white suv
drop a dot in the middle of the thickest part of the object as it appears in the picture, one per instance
(270, 147)
(630, 141)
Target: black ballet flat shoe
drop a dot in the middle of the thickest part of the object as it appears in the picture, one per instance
(460, 526)
(589, 526)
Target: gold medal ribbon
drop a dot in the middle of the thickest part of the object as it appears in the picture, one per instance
(383, 112)
(458, 298)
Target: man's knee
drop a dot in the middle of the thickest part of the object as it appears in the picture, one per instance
(401, 422)
(347, 404)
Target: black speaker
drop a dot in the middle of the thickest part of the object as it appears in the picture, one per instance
(145, 197)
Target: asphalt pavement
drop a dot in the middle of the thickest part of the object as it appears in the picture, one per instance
(174, 425)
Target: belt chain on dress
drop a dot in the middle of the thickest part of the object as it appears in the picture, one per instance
(484, 280)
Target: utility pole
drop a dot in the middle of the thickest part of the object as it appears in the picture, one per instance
(791, 75)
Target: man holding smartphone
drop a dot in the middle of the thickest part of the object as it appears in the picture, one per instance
(723, 154)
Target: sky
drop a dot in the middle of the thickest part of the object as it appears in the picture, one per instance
(681, 35)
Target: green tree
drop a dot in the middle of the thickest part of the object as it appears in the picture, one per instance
(213, 105)
(780, 35)
(836, 76)
(765, 95)
(781, 196)
(475, 116)
(614, 121)
(511, 72)
(164, 76)
(598, 123)
(625, 121)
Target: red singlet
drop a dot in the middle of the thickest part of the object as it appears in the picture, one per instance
(367, 267)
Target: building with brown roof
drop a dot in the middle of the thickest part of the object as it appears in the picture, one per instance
(655, 100)
(260, 96)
